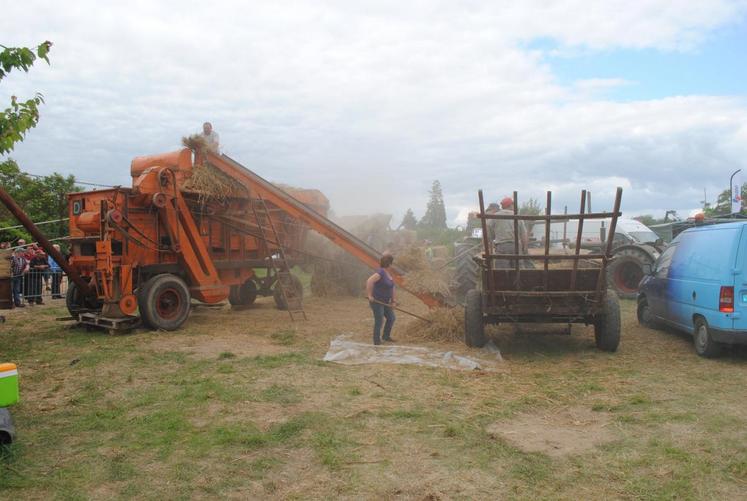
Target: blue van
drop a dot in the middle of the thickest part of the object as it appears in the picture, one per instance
(699, 285)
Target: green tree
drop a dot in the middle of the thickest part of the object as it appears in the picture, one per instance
(531, 207)
(646, 219)
(21, 116)
(43, 199)
(435, 213)
(409, 222)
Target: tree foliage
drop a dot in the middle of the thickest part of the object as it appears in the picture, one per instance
(646, 219)
(723, 204)
(531, 207)
(435, 213)
(21, 116)
(43, 199)
(409, 222)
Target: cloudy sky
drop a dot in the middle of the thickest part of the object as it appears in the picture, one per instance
(371, 101)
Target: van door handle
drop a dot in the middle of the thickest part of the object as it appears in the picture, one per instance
(694, 295)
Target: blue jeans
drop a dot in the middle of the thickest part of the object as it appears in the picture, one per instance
(380, 312)
(17, 284)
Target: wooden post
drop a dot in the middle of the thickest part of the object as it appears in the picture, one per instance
(548, 210)
(608, 247)
(516, 239)
(486, 245)
(577, 250)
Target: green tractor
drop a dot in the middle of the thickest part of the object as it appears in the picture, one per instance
(466, 270)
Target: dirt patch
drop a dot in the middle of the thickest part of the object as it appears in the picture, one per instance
(211, 346)
(561, 432)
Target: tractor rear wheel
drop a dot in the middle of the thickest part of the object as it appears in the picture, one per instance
(607, 324)
(277, 294)
(164, 302)
(625, 272)
(474, 327)
(466, 270)
(244, 294)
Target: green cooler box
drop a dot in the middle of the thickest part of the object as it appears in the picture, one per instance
(8, 384)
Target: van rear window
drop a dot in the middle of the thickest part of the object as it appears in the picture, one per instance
(705, 255)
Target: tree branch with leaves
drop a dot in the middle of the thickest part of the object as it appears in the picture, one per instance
(21, 116)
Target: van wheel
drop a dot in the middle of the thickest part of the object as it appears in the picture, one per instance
(474, 328)
(705, 346)
(645, 317)
(607, 325)
(164, 302)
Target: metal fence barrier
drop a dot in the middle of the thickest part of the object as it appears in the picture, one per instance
(40, 286)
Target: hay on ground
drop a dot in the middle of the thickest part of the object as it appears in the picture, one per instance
(447, 324)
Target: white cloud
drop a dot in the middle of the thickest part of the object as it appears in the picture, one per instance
(371, 101)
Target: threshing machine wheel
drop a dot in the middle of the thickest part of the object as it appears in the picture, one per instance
(277, 294)
(244, 294)
(607, 324)
(466, 272)
(164, 302)
(474, 326)
(78, 303)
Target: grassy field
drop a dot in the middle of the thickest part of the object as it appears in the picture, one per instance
(238, 404)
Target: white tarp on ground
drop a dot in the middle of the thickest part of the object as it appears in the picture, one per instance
(343, 350)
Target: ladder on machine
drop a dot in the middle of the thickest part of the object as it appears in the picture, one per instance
(279, 266)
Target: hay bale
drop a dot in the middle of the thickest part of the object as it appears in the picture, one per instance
(447, 324)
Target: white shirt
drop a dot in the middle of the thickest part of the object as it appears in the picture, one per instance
(213, 141)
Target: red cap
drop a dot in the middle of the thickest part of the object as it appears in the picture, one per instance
(507, 202)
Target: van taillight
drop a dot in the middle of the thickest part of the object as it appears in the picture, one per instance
(726, 300)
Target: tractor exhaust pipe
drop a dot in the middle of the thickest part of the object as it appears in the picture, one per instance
(42, 240)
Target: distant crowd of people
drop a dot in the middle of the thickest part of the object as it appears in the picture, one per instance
(32, 272)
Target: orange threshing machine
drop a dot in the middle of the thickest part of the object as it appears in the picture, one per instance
(143, 253)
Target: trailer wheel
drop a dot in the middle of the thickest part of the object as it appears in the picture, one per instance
(705, 346)
(78, 303)
(244, 294)
(277, 294)
(607, 325)
(164, 302)
(474, 328)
